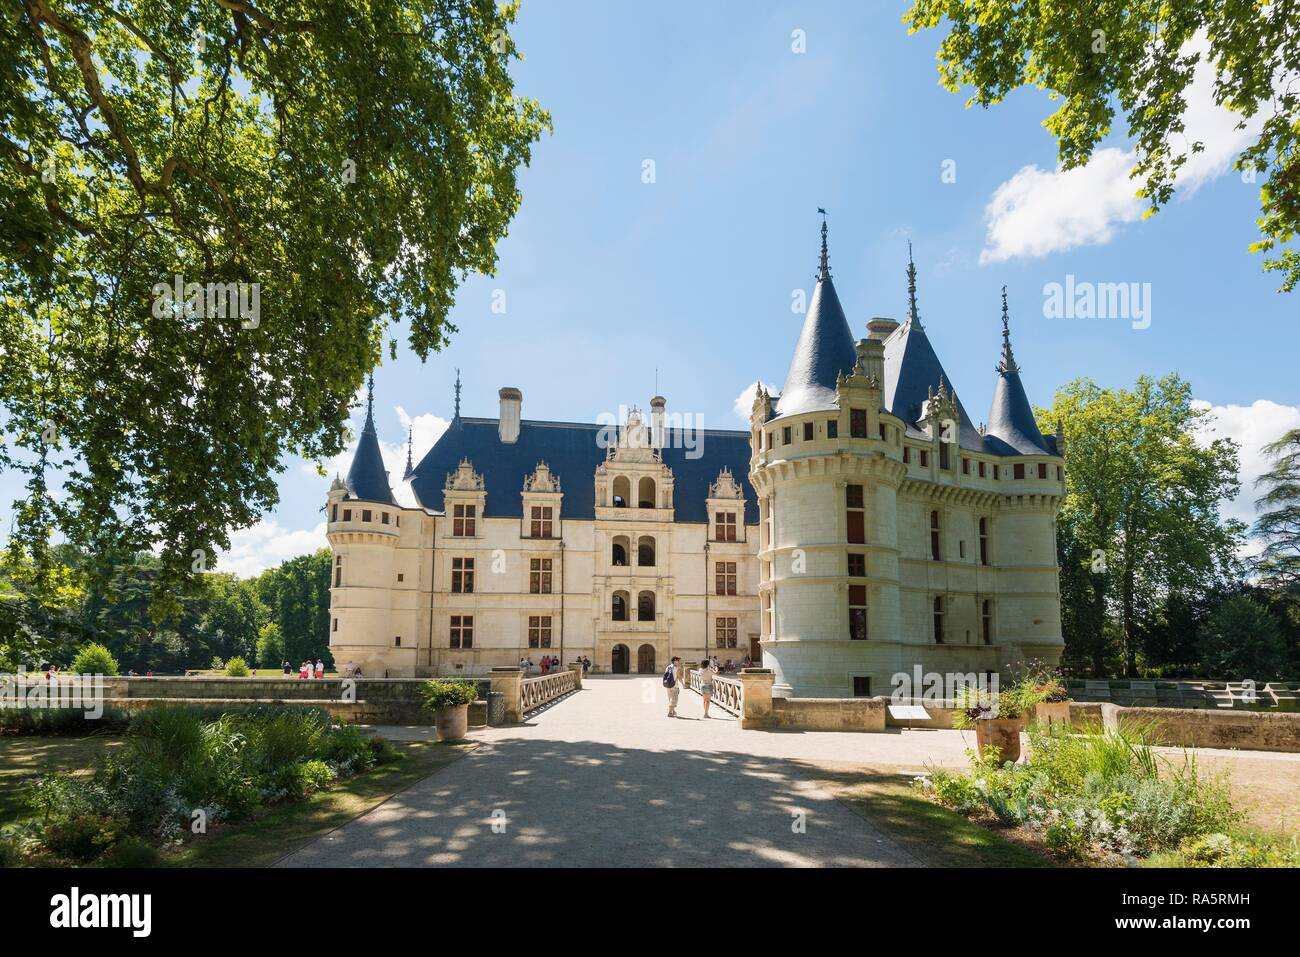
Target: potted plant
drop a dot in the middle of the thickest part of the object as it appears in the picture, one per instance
(997, 719)
(1053, 705)
(449, 701)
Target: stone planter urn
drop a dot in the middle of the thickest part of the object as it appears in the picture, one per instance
(1004, 733)
(1053, 713)
(451, 722)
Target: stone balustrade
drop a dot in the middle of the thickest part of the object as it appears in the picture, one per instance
(728, 693)
(536, 692)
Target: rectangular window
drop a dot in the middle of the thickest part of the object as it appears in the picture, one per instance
(724, 633)
(984, 541)
(961, 548)
(807, 431)
(982, 464)
(936, 551)
(857, 565)
(907, 455)
(462, 631)
(986, 621)
(539, 576)
(858, 612)
(996, 473)
(943, 456)
(858, 423)
(938, 620)
(724, 578)
(462, 575)
(347, 515)
(1058, 473)
(397, 642)
(334, 513)
(925, 459)
(832, 429)
(861, 686)
(1042, 470)
(401, 577)
(383, 518)
(539, 631)
(965, 466)
(462, 521)
(855, 514)
(724, 526)
(338, 571)
(541, 521)
(881, 429)
(335, 626)
(365, 515)
(1019, 470)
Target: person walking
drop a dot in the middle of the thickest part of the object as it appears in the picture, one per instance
(302, 671)
(673, 682)
(708, 671)
(320, 670)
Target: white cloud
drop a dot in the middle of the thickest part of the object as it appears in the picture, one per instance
(1038, 212)
(426, 430)
(744, 403)
(1252, 427)
(266, 544)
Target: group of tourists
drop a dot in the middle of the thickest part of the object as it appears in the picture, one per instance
(675, 677)
(307, 670)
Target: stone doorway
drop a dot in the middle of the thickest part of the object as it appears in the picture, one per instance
(645, 660)
(618, 660)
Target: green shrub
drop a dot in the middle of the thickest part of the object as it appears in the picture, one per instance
(445, 693)
(1238, 849)
(52, 721)
(130, 852)
(83, 838)
(94, 659)
(237, 667)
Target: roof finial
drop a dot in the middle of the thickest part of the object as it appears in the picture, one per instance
(824, 271)
(370, 401)
(457, 415)
(912, 314)
(410, 437)
(1008, 363)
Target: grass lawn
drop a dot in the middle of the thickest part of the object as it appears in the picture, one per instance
(281, 830)
(936, 835)
(23, 757)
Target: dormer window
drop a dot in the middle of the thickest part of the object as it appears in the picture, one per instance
(858, 423)
(541, 521)
(464, 520)
(724, 527)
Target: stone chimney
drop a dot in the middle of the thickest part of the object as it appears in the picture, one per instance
(879, 328)
(657, 420)
(508, 425)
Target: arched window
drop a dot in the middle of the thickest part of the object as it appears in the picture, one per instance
(645, 551)
(622, 491)
(645, 606)
(645, 493)
(619, 611)
(618, 550)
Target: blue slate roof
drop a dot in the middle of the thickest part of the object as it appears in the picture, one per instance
(572, 452)
(824, 350)
(367, 478)
(912, 372)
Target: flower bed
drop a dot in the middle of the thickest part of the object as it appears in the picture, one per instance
(180, 771)
(1098, 797)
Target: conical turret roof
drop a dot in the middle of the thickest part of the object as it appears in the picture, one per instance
(367, 478)
(824, 350)
(1011, 419)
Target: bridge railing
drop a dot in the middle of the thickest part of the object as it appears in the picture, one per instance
(536, 692)
(728, 693)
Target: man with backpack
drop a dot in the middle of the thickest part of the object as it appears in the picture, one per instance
(673, 682)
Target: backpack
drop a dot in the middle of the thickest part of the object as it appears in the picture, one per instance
(670, 677)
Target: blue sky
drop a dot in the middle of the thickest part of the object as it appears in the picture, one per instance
(607, 277)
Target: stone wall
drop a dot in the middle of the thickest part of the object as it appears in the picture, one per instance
(828, 714)
(1199, 728)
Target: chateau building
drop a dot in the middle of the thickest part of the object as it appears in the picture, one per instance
(862, 527)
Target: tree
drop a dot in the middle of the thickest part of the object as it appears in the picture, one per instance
(94, 659)
(1242, 640)
(1141, 512)
(1279, 524)
(1110, 56)
(270, 645)
(297, 595)
(304, 174)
